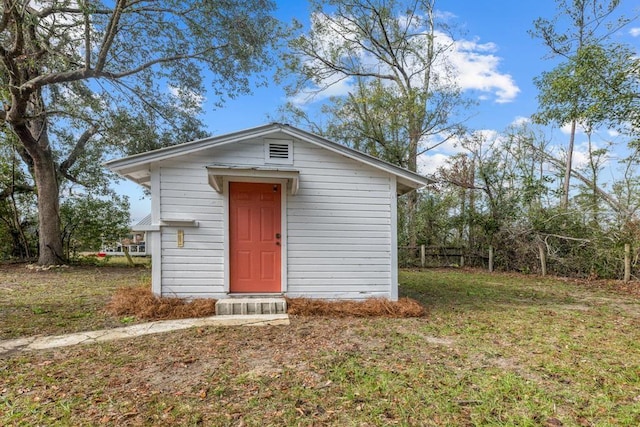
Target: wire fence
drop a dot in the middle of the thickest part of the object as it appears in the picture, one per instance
(424, 256)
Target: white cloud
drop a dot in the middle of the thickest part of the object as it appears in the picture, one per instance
(442, 143)
(487, 134)
(635, 31)
(477, 69)
(580, 157)
(520, 120)
(428, 163)
(566, 129)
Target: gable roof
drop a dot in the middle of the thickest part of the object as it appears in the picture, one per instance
(137, 167)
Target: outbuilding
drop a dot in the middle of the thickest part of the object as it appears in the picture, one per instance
(269, 211)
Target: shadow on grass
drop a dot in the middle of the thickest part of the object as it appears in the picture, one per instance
(473, 289)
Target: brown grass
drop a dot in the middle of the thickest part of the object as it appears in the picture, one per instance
(142, 304)
(373, 307)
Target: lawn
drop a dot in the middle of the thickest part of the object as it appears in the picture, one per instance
(493, 349)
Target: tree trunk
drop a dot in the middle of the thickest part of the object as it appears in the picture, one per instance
(412, 199)
(627, 262)
(490, 259)
(50, 237)
(542, 251)
(46, 180)
(567, 173)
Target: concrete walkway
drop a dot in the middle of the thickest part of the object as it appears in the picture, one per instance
(91, 337)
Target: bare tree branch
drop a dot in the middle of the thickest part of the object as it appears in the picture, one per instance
(16, 188)
(76, 75)
(608, 198)
(78, 149)
(110, 34)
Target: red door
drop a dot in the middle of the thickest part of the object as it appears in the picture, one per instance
(254, 237)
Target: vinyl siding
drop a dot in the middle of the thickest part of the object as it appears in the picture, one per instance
(338, 239)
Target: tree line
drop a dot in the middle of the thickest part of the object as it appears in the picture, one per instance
(83, 80)
(508, 190)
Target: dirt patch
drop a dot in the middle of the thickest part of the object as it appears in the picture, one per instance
(610, 286)
(163, 376)
(574, 307)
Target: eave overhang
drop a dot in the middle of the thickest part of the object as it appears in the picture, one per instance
(217, 173)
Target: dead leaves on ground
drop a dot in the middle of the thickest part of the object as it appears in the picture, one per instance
(373, 307)
(141, 303)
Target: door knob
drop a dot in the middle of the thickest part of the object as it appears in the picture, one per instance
(277, 235)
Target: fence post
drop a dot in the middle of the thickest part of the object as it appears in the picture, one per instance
(490, 259)
(543, 258)
(627, 262)
(423, 256)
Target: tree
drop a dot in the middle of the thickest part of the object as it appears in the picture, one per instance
(593, 75)
(392, 56)
(87, 222)
(84, 79)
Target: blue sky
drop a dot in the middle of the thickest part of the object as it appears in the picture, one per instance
(499, 60)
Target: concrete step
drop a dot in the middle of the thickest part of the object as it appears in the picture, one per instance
(230, 306)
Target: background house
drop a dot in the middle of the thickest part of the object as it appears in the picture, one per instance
(135, 242)
(271, 210)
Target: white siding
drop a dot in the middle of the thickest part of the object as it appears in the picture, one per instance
(197, 269)
(338, 241)
(339, 228)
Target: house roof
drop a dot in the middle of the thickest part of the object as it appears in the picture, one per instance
(144, 224)
(137, 167)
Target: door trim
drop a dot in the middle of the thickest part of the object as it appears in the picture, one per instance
(283, 224)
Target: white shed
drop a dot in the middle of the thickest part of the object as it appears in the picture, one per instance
(272, 210)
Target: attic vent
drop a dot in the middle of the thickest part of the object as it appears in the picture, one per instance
(279, 151)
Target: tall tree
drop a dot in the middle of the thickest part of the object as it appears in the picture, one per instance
(391, 55)
(82, 79)
(591, 72)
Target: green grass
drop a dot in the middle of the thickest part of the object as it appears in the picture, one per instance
(61, 300)
(494, 349)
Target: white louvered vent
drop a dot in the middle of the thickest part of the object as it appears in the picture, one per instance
(279, 151)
